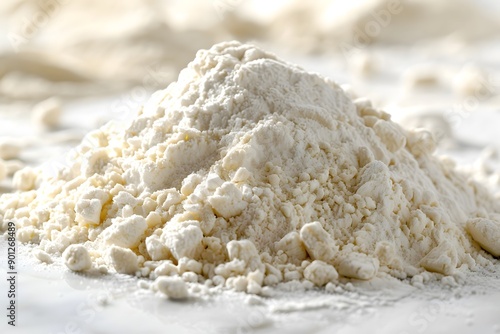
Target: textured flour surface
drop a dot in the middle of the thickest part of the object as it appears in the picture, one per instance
(249, 171)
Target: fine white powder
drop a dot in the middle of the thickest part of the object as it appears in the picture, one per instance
(249, 171)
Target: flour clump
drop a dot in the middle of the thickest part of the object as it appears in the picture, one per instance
(249, 171)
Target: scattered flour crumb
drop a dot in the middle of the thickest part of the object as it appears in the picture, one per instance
(358, 265)
(486, 233)
(123, 260)
(47, 113)
(172, 287)
(12, 166)
(471, 80)
(76, 258)
(43, 256)
(10, 148)
(422, 75)
(320, 273)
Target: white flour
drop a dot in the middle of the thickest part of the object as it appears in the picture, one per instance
(249, 171)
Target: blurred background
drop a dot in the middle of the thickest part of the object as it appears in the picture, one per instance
(69, 66)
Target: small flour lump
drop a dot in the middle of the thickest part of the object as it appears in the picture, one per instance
(249, 171)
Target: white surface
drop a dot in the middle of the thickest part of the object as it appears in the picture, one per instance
(55, 300)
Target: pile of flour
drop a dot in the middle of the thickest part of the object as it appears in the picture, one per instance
(247, 172)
